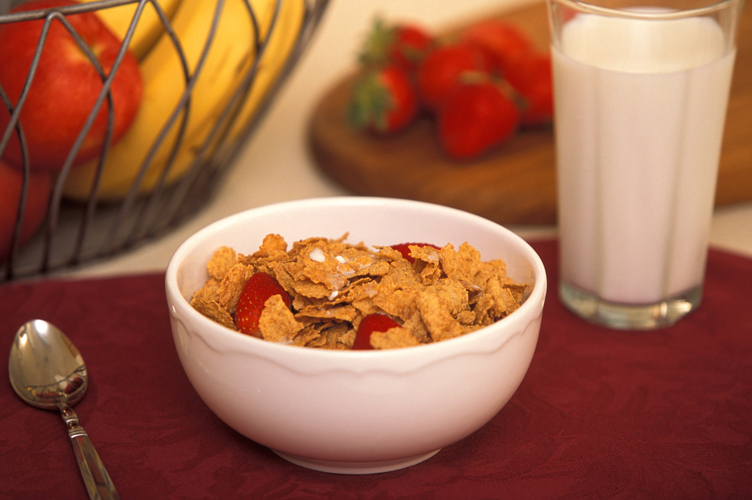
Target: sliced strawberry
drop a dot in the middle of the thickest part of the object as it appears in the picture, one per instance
(255, 293)
(444, 69)
(383, 101)
(404, 249)
(476, 118)
(372, 323)
(402, 45)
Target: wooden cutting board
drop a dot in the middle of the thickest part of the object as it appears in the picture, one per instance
(516, 183)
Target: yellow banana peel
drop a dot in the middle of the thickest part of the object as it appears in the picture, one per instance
(285, 33)
(148, 29)
(230, 56)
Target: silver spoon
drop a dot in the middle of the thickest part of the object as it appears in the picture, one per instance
(48, 372)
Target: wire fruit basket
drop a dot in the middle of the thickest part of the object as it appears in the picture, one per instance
(183, 156)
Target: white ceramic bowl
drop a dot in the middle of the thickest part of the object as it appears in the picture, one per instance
(355, 411)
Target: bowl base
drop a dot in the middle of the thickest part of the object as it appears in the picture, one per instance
(356, 467)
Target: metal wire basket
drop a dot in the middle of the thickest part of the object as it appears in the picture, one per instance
(74, 233)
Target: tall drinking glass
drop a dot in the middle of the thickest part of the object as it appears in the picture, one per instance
(641, 91)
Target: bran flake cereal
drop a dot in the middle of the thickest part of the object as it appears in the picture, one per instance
(443, 294)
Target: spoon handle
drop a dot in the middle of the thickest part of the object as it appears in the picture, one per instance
(97, 480)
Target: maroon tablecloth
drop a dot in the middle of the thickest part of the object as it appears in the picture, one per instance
(601, 414)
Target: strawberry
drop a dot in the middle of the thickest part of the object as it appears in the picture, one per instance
(516, 59)
(401, 45)
(502, 42)
(444, 69)
(255, 293)
(404, 249)
(375, 322)
(477, 117)
(383, 101)
(531, 78)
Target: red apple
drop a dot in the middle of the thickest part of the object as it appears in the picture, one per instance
(11, 183)
(65, 87)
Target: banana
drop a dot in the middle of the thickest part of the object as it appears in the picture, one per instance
(285, 33)
(140, 155)
(148, 29)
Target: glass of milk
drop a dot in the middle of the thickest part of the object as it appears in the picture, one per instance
(641, 91)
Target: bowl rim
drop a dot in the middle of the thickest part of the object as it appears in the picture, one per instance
(481, 341)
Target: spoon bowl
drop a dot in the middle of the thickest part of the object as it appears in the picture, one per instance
(47, 371)
(45, 368)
